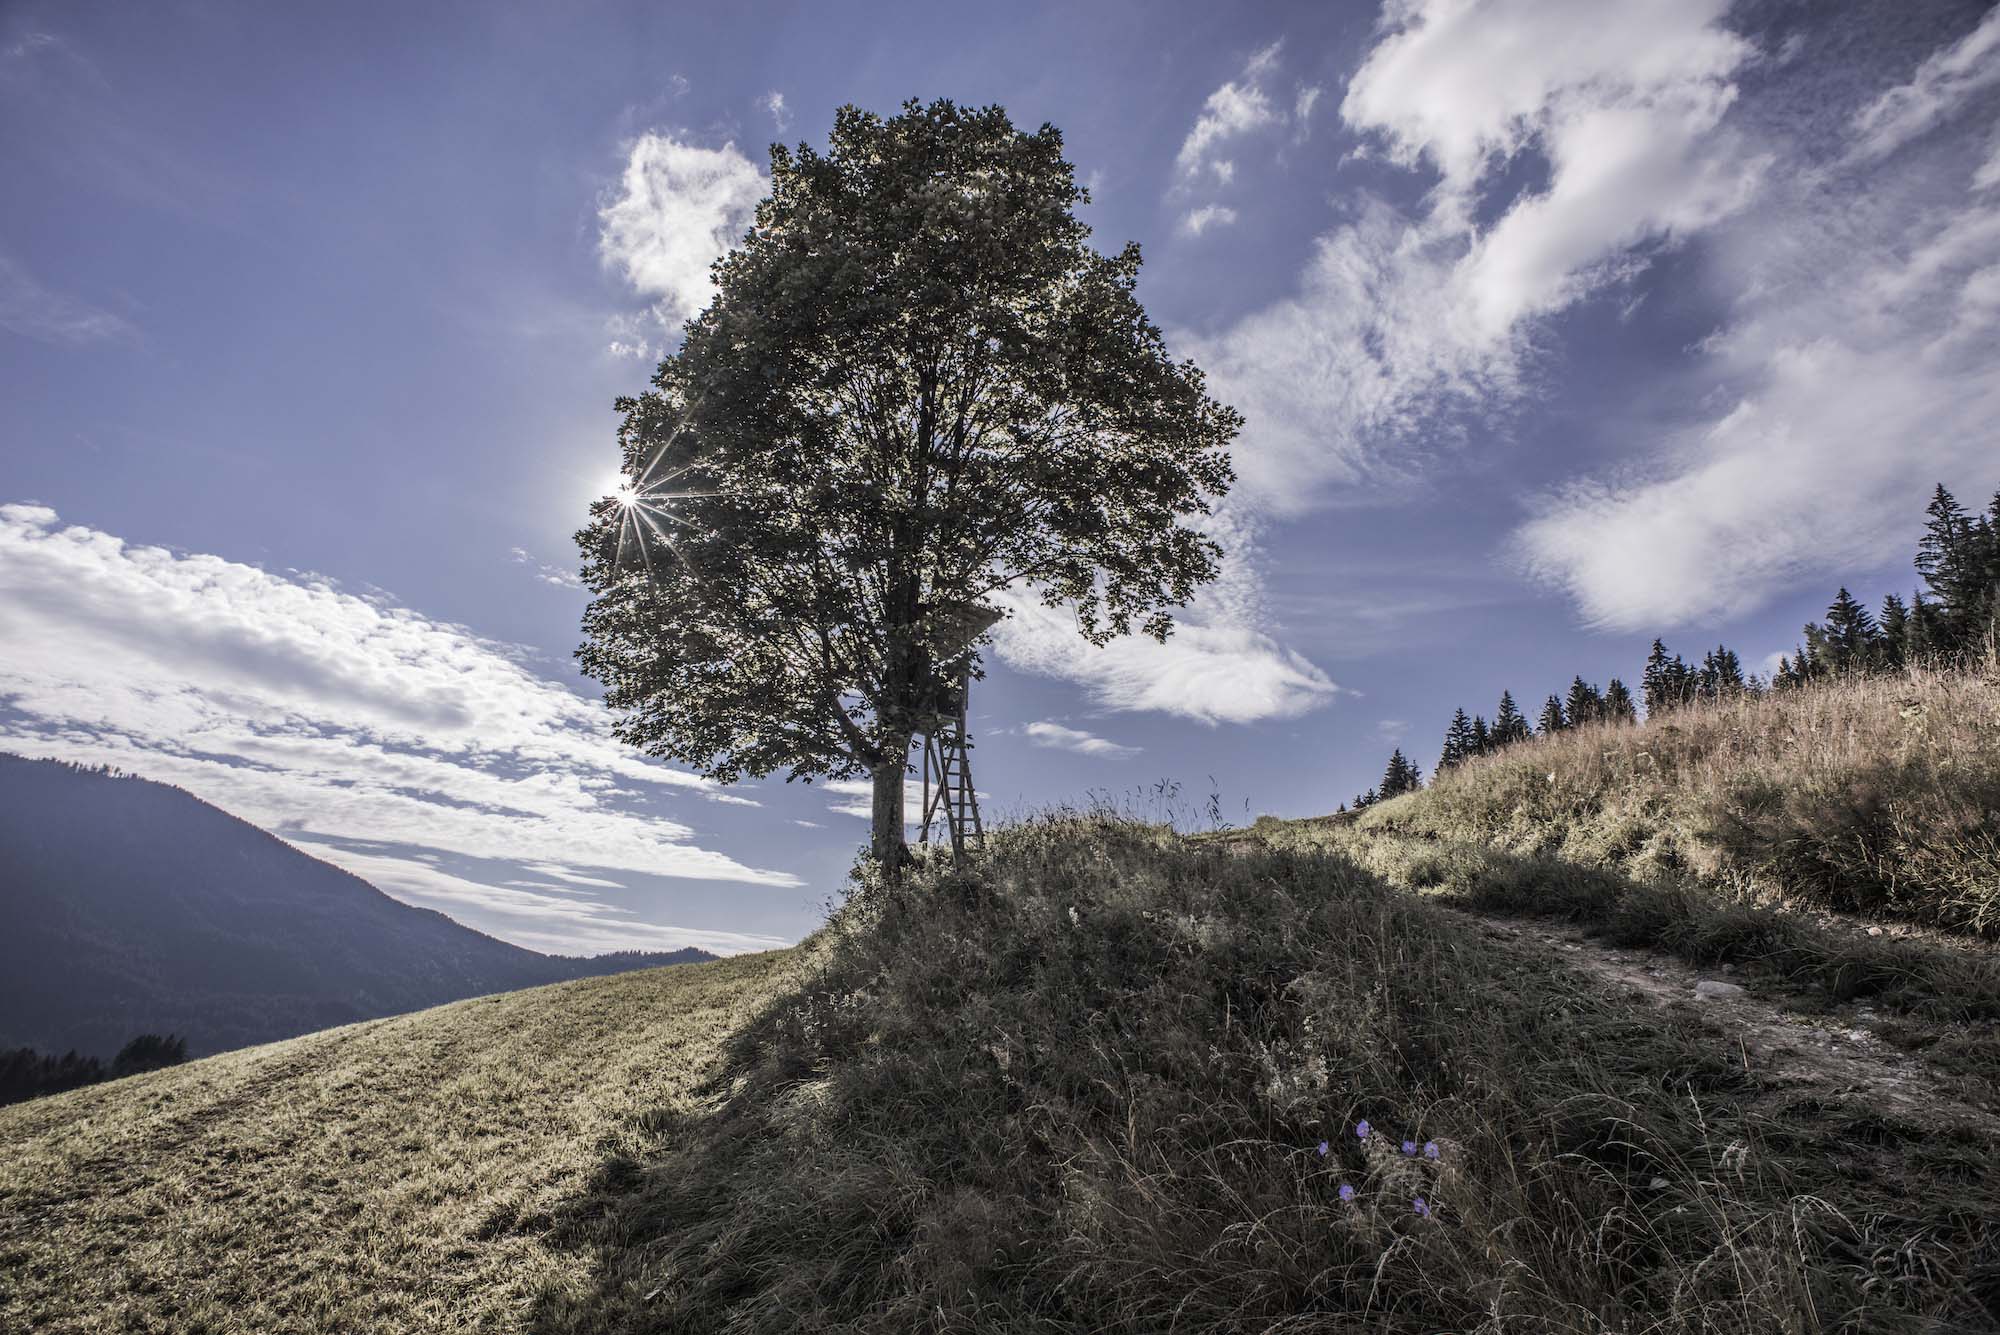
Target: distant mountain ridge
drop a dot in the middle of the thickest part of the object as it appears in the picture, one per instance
(128, 906)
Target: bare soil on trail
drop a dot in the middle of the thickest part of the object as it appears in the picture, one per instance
(1799, 1049)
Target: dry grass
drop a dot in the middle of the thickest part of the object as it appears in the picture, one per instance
(1875, 794)
(396, 1175)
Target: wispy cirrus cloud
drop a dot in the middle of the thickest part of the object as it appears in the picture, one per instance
(323, 716)
(1057, 737)
(1939, 89)
(35, 311)
(676, 208)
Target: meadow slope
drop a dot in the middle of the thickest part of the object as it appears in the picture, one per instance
(1322, 1076)
(394, 1175)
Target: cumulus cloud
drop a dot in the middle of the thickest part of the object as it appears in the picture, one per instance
(1057, 737)
(1941, 86)
(1865, 375)
(677, 208)
(1213, 669)
(320, 715)
(1237, 108)
(1197, 221)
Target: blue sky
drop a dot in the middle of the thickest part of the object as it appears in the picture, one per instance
(1557, 324)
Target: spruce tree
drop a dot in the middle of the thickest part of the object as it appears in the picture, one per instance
(1894, 622)
(1949, 560)
(1400, 777)
(1584, 705)
(1510, 725)
(1458, 742)
(1618, 706)
(1653, 681)
(1482, 736)
(1849, 636)
(1552, 720)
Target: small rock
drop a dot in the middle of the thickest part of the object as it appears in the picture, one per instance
(1729, 968)
(1711, 989)
(1874, 931)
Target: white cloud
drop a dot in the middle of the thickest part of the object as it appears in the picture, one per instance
(1856, 373)
(1941, 86)
(1056, 736)
(640, 351)
(678, 207)
(1214, 668)
(1200, 220)
(1401, 323)
(30, 309)
(857, 796)
(547, 574)
(320, 715)
(1867, 377)
(1236, 108)
(562, 924)
(1988, 174)
(773, 104)
(1303, 104)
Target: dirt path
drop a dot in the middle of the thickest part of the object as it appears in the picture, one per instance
(1791, 1045)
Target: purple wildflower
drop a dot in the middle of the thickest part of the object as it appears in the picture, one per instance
(1423, 1210)
(1361, 1129)
(1430, 1149)
(1346, 1192)
(1410, 1147)
(1323, 1149)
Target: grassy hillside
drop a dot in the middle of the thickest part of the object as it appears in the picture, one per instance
(1114, 1081)
(1878, 794)
(1106, 1080)
(396, 1175)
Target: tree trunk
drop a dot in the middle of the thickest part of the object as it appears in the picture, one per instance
(886, 823)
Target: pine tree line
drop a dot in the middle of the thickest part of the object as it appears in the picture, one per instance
(1958, 559)
(27, 1074)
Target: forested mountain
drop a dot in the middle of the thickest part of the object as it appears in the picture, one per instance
(133, 907)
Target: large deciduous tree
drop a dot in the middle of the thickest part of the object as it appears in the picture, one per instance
(917, 386)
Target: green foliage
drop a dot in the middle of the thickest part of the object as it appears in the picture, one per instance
(917, 386)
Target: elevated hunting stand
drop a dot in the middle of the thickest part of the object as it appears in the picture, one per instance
(949, 798)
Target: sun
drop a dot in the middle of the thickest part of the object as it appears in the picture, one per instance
(624, 492)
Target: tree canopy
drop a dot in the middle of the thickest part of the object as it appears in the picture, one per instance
(917, 386)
